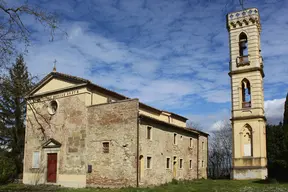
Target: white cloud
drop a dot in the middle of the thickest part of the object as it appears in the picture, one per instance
(218, 125)
(274, 110)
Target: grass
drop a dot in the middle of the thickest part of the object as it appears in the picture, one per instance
(181, 186)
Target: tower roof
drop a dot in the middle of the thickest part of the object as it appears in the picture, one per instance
(242, 18)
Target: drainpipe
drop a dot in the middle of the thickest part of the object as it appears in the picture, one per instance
(138, 122)
(198, 156)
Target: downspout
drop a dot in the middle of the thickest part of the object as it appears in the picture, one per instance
(137, 167)
(198, 156)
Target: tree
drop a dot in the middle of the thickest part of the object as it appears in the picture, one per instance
(285, 119)
(194, 125)
(220, 152)
(13, 88)
(13, 29)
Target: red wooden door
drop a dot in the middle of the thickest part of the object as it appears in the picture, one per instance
(51, 167)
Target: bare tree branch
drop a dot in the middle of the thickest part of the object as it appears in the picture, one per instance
(13, 30)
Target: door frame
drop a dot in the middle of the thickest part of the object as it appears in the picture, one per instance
(52, 156)
(46, 152)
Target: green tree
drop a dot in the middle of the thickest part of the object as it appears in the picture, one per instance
(13, 88)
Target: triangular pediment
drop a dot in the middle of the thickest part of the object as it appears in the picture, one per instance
(55, 81)
(51, 143)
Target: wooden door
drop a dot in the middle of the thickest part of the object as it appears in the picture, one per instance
(51, 167)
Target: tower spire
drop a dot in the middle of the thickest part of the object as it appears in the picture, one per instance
(54, 65)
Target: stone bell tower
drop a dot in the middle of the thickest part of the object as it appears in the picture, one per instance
(246, 72)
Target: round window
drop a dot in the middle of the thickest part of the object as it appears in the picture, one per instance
(52, 108)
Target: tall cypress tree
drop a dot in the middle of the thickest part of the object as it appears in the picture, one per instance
(285, 119)
(13, 88)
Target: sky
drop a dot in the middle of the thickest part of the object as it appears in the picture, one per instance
(171, 54)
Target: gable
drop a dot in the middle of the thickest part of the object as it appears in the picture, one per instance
(54, 84)
(51, 143)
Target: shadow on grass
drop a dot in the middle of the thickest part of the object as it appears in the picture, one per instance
(271, 181)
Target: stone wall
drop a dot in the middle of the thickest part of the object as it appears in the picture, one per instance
(67, 126)
(202, 157)
(160, 147)
(115, 123)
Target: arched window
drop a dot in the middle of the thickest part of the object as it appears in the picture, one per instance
(243, 44)
(247, 141)
(246, 93)
(243, 58)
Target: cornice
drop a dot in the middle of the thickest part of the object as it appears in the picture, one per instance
(239, 71)
(249, 117)
(243, 18)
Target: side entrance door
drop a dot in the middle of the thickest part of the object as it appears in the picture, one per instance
(51, 167)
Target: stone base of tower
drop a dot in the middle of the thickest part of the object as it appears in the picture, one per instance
(243, 173)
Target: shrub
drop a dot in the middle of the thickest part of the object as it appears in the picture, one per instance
(7, 169)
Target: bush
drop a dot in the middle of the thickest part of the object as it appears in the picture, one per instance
(7, 170)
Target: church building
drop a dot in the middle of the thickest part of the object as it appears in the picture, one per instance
(80, 134)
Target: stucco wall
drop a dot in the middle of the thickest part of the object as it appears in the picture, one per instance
(160, 147)
(115, 123)
(54, 84)
(162, 117)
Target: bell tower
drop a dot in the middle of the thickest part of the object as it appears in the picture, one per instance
(246, 73)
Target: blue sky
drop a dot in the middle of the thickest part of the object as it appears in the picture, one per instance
(173, 55)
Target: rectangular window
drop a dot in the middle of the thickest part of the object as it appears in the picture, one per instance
(149, 132)
(168, 163)
(149, 159)
(190, 164)
(203, 146)
(202, 163)
(36, 159)
(105, 147)
(191, 143)
(181, 164)
(175, 138)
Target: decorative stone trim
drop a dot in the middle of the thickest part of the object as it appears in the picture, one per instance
(248, 117)
(243, 18)
(247, 70)
(249, 167)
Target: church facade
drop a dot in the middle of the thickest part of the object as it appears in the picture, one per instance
(248, 117)
(79, 134)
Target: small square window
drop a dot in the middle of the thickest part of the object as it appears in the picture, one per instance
(149, 159)
(36, 159)
(168, 163)
(149, 132)
(105, 147)
(181, 164)
(190, 164)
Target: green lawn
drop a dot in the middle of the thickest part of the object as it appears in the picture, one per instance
(200, 185)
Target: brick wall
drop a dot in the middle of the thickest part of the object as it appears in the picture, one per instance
(115, 123)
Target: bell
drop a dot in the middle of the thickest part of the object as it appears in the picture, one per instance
(243, 44)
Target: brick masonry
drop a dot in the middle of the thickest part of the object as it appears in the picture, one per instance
(115, 123)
